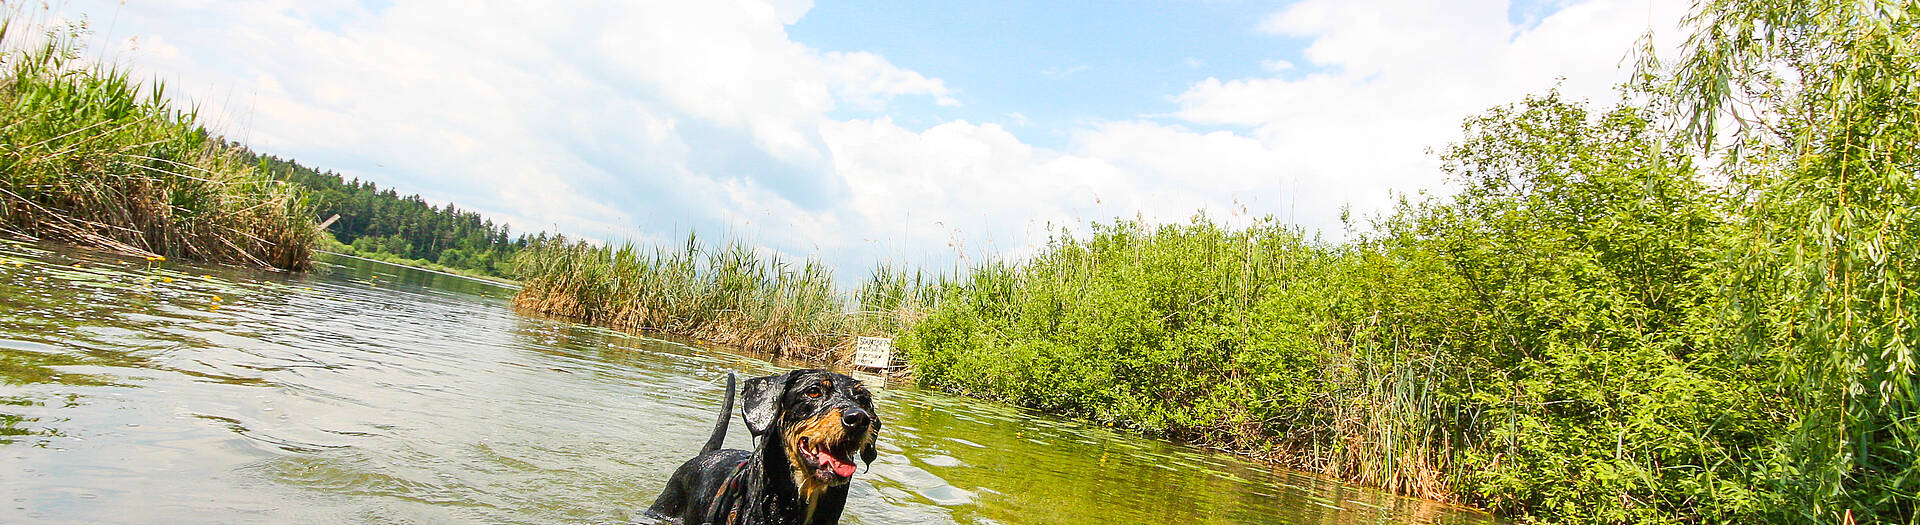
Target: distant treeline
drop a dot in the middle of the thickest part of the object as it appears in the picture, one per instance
(380, 223)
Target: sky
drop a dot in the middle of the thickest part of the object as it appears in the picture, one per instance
(912, 132)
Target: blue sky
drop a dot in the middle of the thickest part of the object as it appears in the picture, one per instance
(929, 133)
(1057, 64)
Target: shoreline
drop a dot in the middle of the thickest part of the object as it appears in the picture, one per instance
(488, 280)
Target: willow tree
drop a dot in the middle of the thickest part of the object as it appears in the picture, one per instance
(1812, 107)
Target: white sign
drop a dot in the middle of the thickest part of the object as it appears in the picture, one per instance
(873, 352)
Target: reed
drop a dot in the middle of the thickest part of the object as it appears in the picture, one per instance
(90, 156)
(894, 298)
(728, 293)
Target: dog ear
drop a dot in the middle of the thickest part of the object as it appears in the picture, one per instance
(762, 396)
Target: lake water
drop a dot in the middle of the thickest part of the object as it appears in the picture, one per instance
(367, 393)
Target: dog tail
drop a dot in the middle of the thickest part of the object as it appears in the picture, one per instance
(720, 427)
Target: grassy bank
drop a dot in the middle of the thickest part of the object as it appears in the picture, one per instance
(728, 294)
(89, 156)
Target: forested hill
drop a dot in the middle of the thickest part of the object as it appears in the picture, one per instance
(380, 223)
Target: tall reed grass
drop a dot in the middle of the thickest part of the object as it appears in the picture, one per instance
(728, 293)
(90, 156)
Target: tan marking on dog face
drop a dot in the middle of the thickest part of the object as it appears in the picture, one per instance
(822, 432)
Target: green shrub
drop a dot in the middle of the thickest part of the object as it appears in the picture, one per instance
(1540, 343)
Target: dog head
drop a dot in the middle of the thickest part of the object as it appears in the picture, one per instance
(818, 419)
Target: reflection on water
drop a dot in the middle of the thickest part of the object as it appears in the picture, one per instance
(369, 393)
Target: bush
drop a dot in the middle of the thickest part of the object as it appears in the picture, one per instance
(1541, 344)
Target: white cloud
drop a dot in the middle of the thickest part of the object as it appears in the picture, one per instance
(868, 80)
(1382, 91)
(959, 189)
(968, 190)
(1392, 79)
(646, 119)
(520, 110)
(1302, 146)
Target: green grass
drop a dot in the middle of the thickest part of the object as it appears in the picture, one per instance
(89, 156)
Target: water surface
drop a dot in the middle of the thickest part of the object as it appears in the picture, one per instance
(139, 393)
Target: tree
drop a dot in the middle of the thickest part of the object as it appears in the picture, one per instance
(1823, 96)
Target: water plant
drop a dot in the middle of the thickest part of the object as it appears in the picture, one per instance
(89, 155)
(729, 293)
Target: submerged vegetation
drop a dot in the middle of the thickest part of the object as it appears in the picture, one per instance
(87, 155)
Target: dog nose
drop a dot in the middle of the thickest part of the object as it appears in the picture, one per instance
(855, 418)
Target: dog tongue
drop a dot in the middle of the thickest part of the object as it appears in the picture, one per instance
(844, 470)
(840, 468)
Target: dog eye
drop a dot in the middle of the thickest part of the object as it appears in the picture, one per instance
(812, 391)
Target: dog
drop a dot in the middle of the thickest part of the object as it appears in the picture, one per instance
(809, 423)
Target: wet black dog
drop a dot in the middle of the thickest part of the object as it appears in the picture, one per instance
(809, 424)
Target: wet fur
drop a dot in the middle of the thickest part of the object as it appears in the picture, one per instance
(774, 483)
(817, 430)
